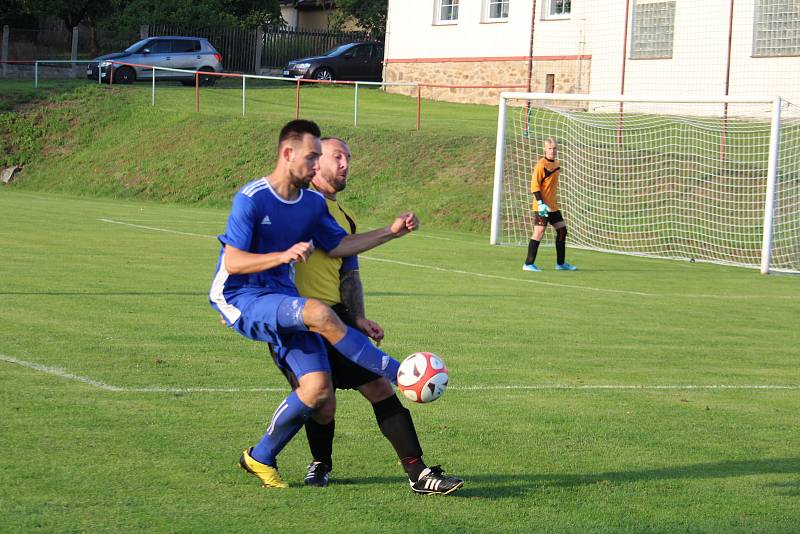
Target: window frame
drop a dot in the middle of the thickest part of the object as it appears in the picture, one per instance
(547, 8)
(632, 54)
(364, 47)
(163, 43)
(486, 16)
(437, 12)
(195, 43)
(755, 52)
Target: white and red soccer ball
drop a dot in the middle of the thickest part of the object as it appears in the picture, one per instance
(422, 377)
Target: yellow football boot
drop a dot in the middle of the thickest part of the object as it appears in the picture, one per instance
(268, 475)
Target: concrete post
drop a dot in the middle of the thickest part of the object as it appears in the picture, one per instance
(4, 53)
(74, 53)
(144, 31)
(259, 49)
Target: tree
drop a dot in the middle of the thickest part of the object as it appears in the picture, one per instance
(370, 14)
(71, 12)
(13, 13)
(256, 13)
(197, 13)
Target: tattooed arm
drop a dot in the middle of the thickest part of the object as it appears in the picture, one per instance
(352, 294)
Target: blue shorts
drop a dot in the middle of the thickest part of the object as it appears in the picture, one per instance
(277, 319)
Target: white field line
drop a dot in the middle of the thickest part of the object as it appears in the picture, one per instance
(494, 276)
(61, 373)
(153, 228)
(415, 265)
(214, 237)
(509, 278)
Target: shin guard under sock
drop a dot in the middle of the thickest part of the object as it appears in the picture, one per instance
(396, 424)
(286, 421)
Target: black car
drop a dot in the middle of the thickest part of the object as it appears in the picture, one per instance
(359, 61)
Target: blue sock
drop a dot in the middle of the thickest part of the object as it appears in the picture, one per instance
(291, 414)
(357, 347)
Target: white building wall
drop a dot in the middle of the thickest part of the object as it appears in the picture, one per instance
(413, 34)
(559, 37)
(759, 75)
(596, 30)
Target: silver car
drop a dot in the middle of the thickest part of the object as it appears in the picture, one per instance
(187, 53)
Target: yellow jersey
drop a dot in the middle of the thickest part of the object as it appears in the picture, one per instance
(319, 276)
(545, 181)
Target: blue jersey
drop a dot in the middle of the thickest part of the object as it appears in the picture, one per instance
(261, 222)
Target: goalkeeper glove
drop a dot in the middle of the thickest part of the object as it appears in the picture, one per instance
(544, 209)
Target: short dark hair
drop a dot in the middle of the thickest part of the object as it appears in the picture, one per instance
(296, 129)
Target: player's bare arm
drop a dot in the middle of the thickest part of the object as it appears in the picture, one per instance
(355, 244)
(239, 261)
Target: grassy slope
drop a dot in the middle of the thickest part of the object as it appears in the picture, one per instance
(91, 140)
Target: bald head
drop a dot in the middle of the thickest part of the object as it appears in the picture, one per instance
(334, 167)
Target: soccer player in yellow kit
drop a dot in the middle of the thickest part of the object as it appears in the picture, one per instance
(336, 282)
(544, 186)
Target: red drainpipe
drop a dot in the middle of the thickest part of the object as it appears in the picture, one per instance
(530, 49)
(727, 85)
(624, 63)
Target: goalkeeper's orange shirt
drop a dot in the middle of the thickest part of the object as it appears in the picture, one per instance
(545, 181)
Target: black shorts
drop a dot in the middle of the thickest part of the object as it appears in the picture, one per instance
(344, 373)
(553, 218)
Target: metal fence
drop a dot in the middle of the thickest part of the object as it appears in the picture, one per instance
(28, 45)
(284, 43)
(237, 46)
(242, 50)
(269, 47)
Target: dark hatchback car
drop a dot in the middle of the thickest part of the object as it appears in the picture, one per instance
(185, 53)
(360, 61)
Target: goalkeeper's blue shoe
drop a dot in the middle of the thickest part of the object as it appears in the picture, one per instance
(565, 267)
(531, 267)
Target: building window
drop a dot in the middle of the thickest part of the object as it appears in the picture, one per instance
(495, 10)
(446, 12)
(550, 83)
(776, 29)
(557, 9)
(653, 29)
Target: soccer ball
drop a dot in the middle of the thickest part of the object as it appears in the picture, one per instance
(422, 377)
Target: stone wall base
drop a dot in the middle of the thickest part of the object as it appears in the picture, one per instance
(569, 76)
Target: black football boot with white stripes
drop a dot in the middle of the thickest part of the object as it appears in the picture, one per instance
(433, 481)
(317, 474)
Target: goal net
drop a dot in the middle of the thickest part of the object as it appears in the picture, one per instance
(699, 179)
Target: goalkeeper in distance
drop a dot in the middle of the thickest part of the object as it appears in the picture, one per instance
(544, 186)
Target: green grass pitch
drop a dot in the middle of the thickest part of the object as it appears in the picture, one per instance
(632, 395)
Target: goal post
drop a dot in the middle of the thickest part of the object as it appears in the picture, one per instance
(713, 179)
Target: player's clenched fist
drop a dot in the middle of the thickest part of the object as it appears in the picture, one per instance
(405, 223)
(298, 252)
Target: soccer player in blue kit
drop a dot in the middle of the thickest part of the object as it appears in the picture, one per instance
(274, 222)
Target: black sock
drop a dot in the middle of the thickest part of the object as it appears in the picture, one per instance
(396, 424)
(533, 248)
(561, 245)
(414, 467)
(320, 440)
